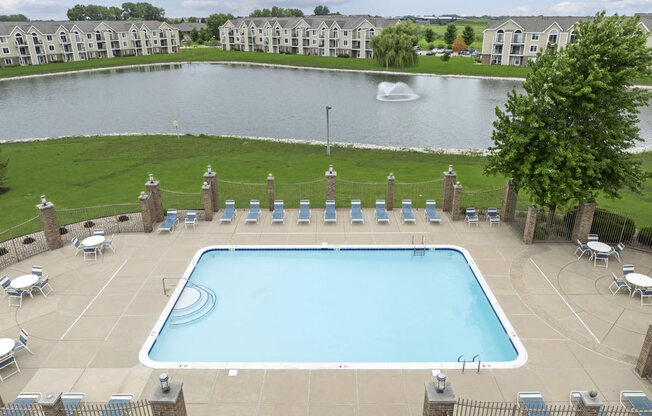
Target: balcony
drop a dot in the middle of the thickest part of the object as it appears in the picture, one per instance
(499, 39)
(20, 42)
(498, 50)
(516, 50)
(518, 39)
(23, 51)
(37, 41)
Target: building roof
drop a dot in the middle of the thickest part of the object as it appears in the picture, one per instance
(187, 27)
(345, 22)
(538, 23)
(50, 27)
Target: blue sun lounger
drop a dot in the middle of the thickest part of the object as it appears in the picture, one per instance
(330, 215)
(381, 212)
(117, 405)
(22, 405)
(406, 212)
(191, 219)
(279, 214)
(170, 221)
(493, 217)
(471, 216)
(254, 211)
(72, 402)
(431, 211)
(637, 400)
(229, 211)
(356, 212)
(533, 403)
(304, 212)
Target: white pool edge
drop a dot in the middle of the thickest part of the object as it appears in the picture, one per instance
(145, 360)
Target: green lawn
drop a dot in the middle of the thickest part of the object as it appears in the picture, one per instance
(81, 172)
(478, 25)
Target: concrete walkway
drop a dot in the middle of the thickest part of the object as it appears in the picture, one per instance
(87, 334)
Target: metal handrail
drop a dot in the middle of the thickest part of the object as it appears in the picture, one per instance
(165, 292)
(479, 361)
(461, 357)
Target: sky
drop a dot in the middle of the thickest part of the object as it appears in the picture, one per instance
(56, 9)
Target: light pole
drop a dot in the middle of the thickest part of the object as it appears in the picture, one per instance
(328, 136)
(176, 126)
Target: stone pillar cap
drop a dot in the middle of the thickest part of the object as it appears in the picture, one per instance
(585, 397)
(329, 173)
(209, 174)
(391, 176)
(270, 177)
(47, 205)
(143, 196)
(171, 397)
(206, 186)
(150, 183)
(458, 185)
(50, 398)
(447, 396)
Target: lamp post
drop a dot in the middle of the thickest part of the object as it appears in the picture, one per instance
(441, 382)
(328, 138)
(165, 384)
(176, 126)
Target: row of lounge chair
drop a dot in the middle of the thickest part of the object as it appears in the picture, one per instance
(534, 404)
(472, 216)
(73, 403)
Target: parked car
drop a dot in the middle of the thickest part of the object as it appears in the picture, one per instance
(432, 52)
(447, 51)
(476, 54)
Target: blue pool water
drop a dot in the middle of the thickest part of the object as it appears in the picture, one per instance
(346, 306)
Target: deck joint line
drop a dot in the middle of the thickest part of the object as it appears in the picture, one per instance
(565, 301)
(93, 300)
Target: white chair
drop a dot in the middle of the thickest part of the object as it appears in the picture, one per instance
(493, 217)
(90, 251)
(581, 250)
(42, 286)
(21, 343)
(471, 217)
(108, 243)
(601, 257)
(592, 237)
(78, 246)
(191, 219)
(616, 251)
(619, 284)
(98, 231)
(6, 361)
(627, 269)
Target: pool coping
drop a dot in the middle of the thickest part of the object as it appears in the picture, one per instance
(145, 360)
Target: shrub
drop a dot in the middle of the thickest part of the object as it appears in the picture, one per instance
(540, 233)
(123, 218)
(63, 230)
(3, 251)
(441, 46)
(28, 240)
(446, 57)
(477, 60)
(89, 224)
(645, 236)
(612, 227)
(343, 55)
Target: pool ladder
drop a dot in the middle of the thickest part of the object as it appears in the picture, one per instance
(462, 359)
(419, 250)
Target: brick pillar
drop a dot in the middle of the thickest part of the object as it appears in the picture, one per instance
(146, 211)
(508, 208)
(455, 201)
(530, 224)
(208, 201)
(447, 196)
(583, 221)
(436, 403)
(154, 189)
(270, 191)
(51, 404)
(331, 180)
(50, 224)
(211, 178)
(2, 404)
(644, 364)
(390, 192)
(589, 404)
(171, 403)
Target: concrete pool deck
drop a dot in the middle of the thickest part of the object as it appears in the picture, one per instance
(87, 334)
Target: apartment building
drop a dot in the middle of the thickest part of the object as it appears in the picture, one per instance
(34, 43)
(517, 40)
(333, 35)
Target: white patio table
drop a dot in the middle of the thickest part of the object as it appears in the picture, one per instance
(638, 281)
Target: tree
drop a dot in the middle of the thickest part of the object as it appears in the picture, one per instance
(321, 11)
(446, 56)
(429, 34)
(192, 20)
(204, 34)
(565, 140)
(395, 45)
(194, 34)
(13, 18)
(458, 45)
(214, 22)
(468, 34)
(142, 10)
(451, 34)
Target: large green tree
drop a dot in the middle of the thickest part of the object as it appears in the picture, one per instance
(142, 10)
(276, 12)
(13, 18)
(565, 140)
(429, 34)
(468, 34)
(129, 11)
(451, 34)
(214, 22)
(395, 45)
(321, 10)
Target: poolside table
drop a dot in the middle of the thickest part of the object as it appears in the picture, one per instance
(6, 346)
(639, 281)
(599, 247)
(93, 241)
(24, 282)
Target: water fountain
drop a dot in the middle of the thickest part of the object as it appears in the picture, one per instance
(395, 91)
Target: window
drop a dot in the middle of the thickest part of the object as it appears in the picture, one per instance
(286, 41)
(124, 44)
(49, 38)
(346, 42)
(8, 61)
(92, 54)
(5, 51)
(552, 38)
(314, 41)
(533, 48)
(285, 32)
(535, 36)
(155, 42)
(51, 47)
(237, 39)
(260, 39)
(237, 31)
(346, 33)
(3, 39)
(53, 57)
(518, 37)
(89, 36)
(124, 35)
(573, 38)
(500, 37)
(314, 33)
(153, 34)
(260, 30)
(90, 45)
(371, 33)
(532, 59)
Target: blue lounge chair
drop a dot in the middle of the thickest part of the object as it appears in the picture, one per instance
(582, 249)
(191, 219)
(170, 221)
(619, 284)
(330, 215)
(638, 401)
(229, 211)
(6, 361)
(22, 405)
(73, 402)
(304, 212)
(356, 211)
(406, 212)
(431, 212)
(254, 211)
(118, 405)
(279, 213)
(471, 216)
(493, 217)
(381, 212)
(533, 403)
(21, 343)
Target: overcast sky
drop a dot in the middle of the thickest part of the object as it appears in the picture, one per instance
(56, 9)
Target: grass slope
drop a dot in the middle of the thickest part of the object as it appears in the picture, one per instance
(478, 25)
(79, 172)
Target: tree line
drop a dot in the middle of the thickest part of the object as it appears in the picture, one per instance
(13, 18)
(128, 11)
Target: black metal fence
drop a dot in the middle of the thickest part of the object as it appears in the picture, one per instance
(466, 407)
(22, 241)
(553, 226)
(134, 408)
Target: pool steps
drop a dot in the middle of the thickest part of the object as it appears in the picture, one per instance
(204, 304)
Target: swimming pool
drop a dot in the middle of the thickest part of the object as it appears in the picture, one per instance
(332, 307)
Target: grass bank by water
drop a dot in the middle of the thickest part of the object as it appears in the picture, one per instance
(80, 172)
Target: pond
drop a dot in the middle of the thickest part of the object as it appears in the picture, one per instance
(246, 100)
